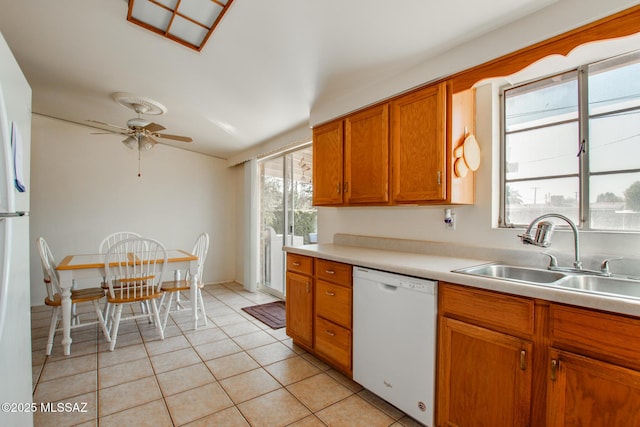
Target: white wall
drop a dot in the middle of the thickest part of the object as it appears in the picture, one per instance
(84, 187)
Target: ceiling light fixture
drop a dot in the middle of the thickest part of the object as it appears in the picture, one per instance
(188, 22)
(145, 143)
(130, 142)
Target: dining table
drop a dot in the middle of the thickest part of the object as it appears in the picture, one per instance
(88, 266)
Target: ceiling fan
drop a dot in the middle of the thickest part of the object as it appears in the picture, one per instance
(140, 132)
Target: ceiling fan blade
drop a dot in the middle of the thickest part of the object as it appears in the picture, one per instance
(153, 127)
(109, 125)
(175, 137)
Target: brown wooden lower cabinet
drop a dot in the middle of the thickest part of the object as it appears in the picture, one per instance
(319, 306)
(485, 377)
(571, 367)
(585, 392)
(299, 307)
(333, 343)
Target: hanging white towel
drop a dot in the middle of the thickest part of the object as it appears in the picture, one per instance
(16, 143)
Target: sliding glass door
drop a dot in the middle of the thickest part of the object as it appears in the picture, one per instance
(287, 216)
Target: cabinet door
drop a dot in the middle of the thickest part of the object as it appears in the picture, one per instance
(328, 161)
(299, 308)
(484, 377)
(418, 146)
(366, 152)
(586, 392)
(334, 302)
(333, 342)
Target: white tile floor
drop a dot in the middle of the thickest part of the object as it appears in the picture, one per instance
(234, 372)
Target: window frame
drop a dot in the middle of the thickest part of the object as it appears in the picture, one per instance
(584, 174)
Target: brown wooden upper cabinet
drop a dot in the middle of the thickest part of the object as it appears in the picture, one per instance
(419, 143)
(351, 159)
(366, 156)
(328, 141)
(396, 152)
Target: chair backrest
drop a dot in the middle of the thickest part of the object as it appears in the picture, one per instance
(49, 272)
(134, 267)
(108, 241)
(200, 250)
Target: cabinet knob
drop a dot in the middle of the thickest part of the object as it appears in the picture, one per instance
(554, 369)
(330, 333)
(331, 294)
(338, 188)
(330, 272)
(296, 264)
(523, 360)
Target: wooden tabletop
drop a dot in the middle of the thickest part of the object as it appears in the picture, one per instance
(86, 261)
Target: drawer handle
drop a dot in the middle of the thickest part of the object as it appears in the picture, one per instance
(296, 264)
(330, 333)
(331, 294)
(330, 272)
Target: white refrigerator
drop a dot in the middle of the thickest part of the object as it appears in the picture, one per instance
(15, 317)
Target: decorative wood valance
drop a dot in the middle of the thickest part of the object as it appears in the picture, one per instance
(621, 24)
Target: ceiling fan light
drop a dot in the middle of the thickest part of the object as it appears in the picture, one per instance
(130, 142)
(145, 143)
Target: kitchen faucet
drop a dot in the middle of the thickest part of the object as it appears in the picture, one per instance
(542, 238)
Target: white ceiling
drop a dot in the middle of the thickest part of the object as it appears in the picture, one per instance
(261, 73)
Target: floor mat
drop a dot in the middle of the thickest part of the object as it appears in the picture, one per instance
(272, 313)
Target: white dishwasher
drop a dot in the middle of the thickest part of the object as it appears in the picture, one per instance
(394, 339)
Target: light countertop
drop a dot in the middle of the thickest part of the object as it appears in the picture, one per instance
(440, 268)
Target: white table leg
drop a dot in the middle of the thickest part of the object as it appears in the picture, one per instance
(66, 281)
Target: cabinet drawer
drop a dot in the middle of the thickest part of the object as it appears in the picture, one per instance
(605, 336)
(493, 310)
(334, 343)
(333, 302)
(334, 272)
(300, 264)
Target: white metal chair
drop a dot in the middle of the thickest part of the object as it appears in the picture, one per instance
(134, 269)
(54, 296)
(172, 287)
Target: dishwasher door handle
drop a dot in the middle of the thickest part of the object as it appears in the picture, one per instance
(388, 287)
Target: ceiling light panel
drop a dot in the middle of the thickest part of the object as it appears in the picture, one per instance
(206, 12)
(188, 22)
(151, 14)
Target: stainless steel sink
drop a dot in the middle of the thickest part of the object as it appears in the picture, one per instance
(515, 273)
(580, 282)
(627, 288)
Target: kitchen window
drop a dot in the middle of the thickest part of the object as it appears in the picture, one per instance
(571, 145)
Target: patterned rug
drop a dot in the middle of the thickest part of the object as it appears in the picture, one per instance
(272, 313)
